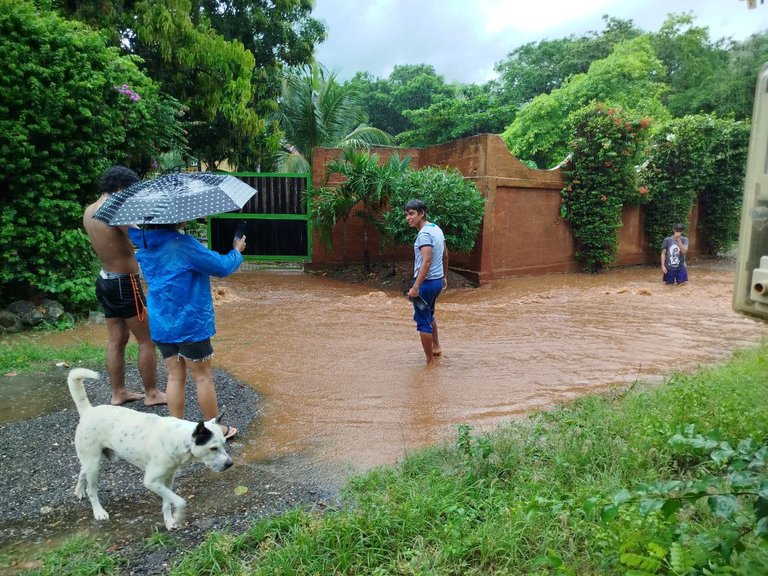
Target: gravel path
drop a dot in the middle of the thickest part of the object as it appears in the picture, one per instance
(38, 471)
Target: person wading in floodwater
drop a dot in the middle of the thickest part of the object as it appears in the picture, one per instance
(429, 269)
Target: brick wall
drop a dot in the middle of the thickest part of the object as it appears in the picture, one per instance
(522, 232)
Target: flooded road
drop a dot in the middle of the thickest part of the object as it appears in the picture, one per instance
(343, 386)
(341, 369)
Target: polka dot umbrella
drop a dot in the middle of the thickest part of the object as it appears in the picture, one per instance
(174, 198)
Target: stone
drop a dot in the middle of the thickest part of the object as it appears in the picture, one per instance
(27, 312)
(9, 322)
(52, 311)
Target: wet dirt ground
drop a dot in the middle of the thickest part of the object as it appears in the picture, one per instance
(341, 378)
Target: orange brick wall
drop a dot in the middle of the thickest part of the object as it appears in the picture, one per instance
(522, 232)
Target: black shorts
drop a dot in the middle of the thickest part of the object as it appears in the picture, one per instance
(195, 351)
(120, 295)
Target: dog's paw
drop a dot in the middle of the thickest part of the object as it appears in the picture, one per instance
(79, 492)
(172, 524)
(101, 514)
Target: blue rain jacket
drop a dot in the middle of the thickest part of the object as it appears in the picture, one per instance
(177, 269)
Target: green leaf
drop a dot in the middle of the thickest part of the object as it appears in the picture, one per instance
(609, 512)
(650, 505)
(724, 505)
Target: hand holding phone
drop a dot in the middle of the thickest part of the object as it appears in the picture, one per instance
(240, 230)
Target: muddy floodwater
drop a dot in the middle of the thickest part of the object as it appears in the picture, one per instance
(342, 376)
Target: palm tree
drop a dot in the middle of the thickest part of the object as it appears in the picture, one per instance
(315, 110)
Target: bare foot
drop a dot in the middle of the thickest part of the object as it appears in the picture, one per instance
(437, 351)
(125, 397)
(156, 398)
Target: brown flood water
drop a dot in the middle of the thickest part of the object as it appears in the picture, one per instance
(341, 369)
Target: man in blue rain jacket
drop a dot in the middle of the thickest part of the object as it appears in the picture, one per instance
(177, 269)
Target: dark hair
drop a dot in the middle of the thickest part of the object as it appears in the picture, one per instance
(677, 227)
(117, 178)
(415, 204)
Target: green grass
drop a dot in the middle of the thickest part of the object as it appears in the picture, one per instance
(531, 497)
(25, 354)
(79, 556)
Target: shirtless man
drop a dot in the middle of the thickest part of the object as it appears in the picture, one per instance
(119, 291)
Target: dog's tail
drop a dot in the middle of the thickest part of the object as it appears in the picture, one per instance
(77, 388)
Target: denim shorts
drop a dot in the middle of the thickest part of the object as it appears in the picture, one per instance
(195, 351)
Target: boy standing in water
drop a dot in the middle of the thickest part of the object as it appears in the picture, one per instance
(429, 270)
(673, 251)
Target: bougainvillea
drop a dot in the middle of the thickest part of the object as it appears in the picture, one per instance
(600, 177)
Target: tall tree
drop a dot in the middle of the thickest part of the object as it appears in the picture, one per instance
(409, 87)
(222, 59)
(69, 107)
(474, 109)
(539, 67)
(316, 110)
(629, 78)
(690, 59)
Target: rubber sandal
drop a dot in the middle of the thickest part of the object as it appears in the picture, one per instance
(230, 433)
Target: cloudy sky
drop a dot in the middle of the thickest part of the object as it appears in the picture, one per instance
(463, 39)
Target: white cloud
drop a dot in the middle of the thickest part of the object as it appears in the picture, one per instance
(464, 39)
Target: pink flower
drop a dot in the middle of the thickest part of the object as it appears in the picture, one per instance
(603, 198)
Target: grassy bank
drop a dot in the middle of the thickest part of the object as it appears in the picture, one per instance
(26, 354)
(666, 479)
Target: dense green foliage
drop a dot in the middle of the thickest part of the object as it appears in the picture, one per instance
(600, 178)
(223, 60)
(696, 156)
(69, 108)
(627, 78)
(362, 193)
(453, 202)
(611, 485)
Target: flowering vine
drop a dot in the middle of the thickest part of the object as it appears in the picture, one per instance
(600, 177)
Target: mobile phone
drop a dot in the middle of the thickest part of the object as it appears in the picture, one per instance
(240, 230)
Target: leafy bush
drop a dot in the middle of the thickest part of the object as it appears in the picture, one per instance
(694, 156)
(453, 203)
(69, 108)
(721, 196)
(600, 178)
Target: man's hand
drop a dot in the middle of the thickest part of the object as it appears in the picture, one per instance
(663, 269)
(239, 244)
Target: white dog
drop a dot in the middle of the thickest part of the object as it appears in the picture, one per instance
(156, 444)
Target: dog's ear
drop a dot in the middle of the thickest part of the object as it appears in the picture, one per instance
(201, 435)
(219, 417)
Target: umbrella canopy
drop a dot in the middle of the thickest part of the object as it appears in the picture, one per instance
(174, 198)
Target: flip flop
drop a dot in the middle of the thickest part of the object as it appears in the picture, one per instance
(230, 433)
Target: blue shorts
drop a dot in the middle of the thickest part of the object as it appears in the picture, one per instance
(429, 291)
(676, 276)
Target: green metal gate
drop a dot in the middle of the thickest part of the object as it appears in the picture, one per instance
(277, 219)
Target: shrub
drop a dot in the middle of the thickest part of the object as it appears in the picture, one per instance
(696, 156)
(453, 203)
(69, 108)
(599, 179)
